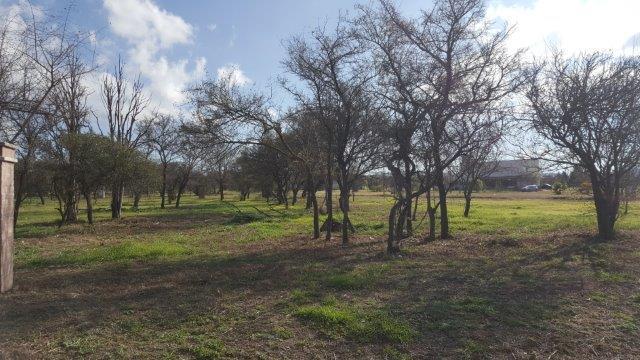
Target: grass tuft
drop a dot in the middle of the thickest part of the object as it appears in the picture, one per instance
(357, 324)
(208, 349)
(244, 218)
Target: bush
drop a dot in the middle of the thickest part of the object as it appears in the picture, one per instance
(558, 187)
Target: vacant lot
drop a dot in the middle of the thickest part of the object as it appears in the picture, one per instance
(521, 279)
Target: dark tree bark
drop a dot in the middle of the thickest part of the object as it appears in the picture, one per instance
(117, 191)
(89, 202)
(163, 187)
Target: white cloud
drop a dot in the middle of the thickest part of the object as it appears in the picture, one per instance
(150, 31)
(212, 27)
(572, 25)
(143, 21)
(234, 73)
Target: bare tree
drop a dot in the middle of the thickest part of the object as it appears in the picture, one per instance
(464, 69)
(476, 165)
(124, 104)
(68, 120)
(162, 136)
(191, 151)
(586, 109)
(34, 53)
(218, 162)
(222, 108)
(330, 65)
(396, 81)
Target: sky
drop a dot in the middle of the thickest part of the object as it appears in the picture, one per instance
(172, 43)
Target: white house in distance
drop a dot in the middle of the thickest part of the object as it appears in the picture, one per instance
(513, 174)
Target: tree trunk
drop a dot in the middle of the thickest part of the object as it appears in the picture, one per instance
(392, 243)
(116, 200)
(163, 189)
(136, 199)
(306, 195)
(179, 195)
(344, 207)
(328, 198)
(408, 189)
(316, 216)
(444, 215)
(607, 206)
(70, 207)
(19, 196)
(431, 211)
(467, 203)
(88, 200)
(221, 188)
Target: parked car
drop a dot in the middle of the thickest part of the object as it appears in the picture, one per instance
(546, 187)
(530, 188)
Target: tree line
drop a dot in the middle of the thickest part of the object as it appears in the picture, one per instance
(430, 99)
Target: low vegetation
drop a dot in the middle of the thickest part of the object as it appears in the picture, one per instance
(523, 277)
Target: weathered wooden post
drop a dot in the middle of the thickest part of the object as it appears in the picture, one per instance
(7, 161)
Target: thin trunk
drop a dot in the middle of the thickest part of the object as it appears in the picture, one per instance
(163, 189)
(179, 195)
(294, 196)
(392, 244)
(328, 197)
(431, 211)
(307, 198)
(88, 200)
(116, 200)
(316, 216)
(408, 189)
(136, 199)
(467, 203)
(19, 196)
(444, 215)
(344, 207)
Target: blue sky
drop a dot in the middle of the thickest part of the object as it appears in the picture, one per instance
(173, 43)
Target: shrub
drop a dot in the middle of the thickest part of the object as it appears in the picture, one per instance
(558, 187)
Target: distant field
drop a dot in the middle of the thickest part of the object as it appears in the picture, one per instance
(522, 278)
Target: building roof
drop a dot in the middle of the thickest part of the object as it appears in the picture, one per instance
(515, 168)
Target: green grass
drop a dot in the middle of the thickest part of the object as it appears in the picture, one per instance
(208, 349)
(123, 252)
(244, 279)
(359, 278)
(251, 221)
(339, 319)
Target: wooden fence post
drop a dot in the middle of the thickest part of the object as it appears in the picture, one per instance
(7, 161)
